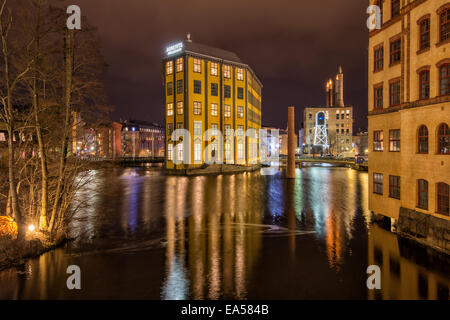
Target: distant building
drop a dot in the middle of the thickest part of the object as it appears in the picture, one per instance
(142, 139)
(210, 90)
(361, 144)
(329, 129)
(409, 116)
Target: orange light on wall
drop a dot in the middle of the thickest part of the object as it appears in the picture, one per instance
(7, 226)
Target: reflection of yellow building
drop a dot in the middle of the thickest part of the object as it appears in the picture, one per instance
(409, 111)
(210, 89)
(401, 278)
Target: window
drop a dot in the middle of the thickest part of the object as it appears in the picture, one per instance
(378, 141)
(180, 152)
(342, 116)
(240, 153)
(228, 151)
(337, 115)
(379, 3)
(197, 107)
(170, 109)
(214, 89)
(394, 92)
(394, 140)
(378, 60)
(240, 74)
(378, 97)
(198, 150)
(214, 109)
(169, 88)
(179, 86)
(443, 139)
(422, 194)
(443, 198)
(424, 28)
(395, 8)
(180, 125)
(347, 132)
(197, 86)
(227, 113)
(444, 79)
(378, 183)
(180, 107)
(170, 152)
(310, 116)
(227, 130)
(179, 64)
(424, 84)
(240, 130)
(214, 129)
(197, 65)
(169, 67)
(240, 93)
(2, 136)
(394, 187)
(214, 69)
(227, 72)
(227, 91)
(422, 140)
(197, 128)
(444, 29)
(396, 51)
(240, 112)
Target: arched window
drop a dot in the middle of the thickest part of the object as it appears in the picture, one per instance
(422, 139)
(443, 198)
(444, 79)
(444, 25)
(422, 194)
(443, 139)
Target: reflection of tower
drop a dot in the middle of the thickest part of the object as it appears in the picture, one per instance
(339, 88)
(320, 130)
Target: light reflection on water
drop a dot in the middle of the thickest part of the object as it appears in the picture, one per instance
(144, 235)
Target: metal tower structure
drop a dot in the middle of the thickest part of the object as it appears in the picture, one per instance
(320, 130)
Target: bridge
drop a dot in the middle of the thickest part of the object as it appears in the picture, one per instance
(126, 160)
(336, 162)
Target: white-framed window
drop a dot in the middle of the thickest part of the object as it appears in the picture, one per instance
(227, 72)
(179, 64)
(214, 129)
(227, 128)
(170, 109)
(180, 152)
(214, 69)
(197, 65)
(197, 128)
(170, 152)
(227, 113)
(240, 74)
(197, 108)
(197, 150)
(169, 67)
(240, 112)
(214, 109)
(228, 156)
(180, 107)
(240, 151)
(240, 130)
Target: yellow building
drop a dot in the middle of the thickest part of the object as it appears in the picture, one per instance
(409, 113)
(216, 98)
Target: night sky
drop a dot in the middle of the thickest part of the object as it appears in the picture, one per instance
(293, 46)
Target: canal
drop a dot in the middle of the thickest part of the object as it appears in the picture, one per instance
(143, 235)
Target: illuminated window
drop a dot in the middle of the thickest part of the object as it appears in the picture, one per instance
(443, 198)
(214, 109)
(443, 139)
(423, 139)
(444, 79)
(394, 187)
(227, 113)
(424, 84)
(378, 97)
(378, 60)
(240, 112)
(170, 109)
(170, 129)
(197, 65)
(396, 51)
(394, 140)
(394, 92)
(444, 30)
(214, 129)
(197, 108)
(227, 72)
(395, 8)
(378, 183)
(197, 128)
(240, 74)
(228, 151)
(422, 194)
(240, 151)
(424, 28)
(180, 107)
(228, 130)
(169, 67)
(240, 130)
(198, 150)
(214, 69)
(378, 141)
(179, 64)
(180, 152)
(170, 152)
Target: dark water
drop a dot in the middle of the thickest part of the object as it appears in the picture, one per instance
(143, 235)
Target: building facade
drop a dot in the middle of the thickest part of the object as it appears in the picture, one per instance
(212, 99)
(409, 109)
(329, 129)
(142, 139)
